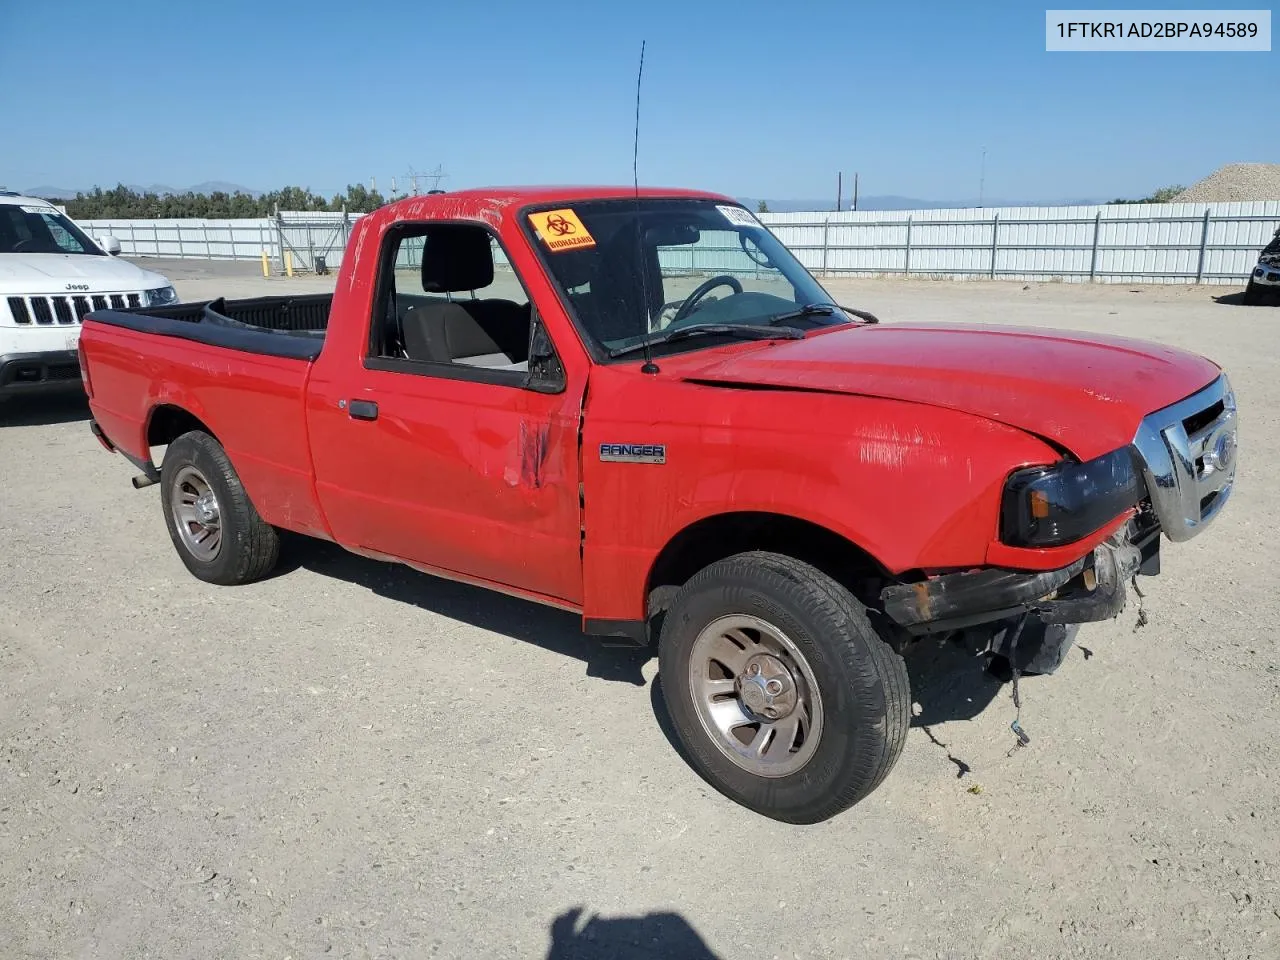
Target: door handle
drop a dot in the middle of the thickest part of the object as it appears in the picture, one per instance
(362, 410)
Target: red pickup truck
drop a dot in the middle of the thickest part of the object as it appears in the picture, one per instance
(639, 406)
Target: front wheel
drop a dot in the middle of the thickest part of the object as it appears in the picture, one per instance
(784, 697)
(1252, 294)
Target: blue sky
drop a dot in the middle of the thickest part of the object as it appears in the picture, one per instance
(760, 99)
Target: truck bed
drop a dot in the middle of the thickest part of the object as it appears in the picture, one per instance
(292, 327)
(237, 367)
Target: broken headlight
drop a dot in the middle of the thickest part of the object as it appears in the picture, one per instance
(1050, 506)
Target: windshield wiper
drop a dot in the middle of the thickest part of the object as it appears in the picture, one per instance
(822, 310)
(747, 331)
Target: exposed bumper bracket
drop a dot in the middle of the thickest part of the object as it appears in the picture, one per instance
(1091, 589)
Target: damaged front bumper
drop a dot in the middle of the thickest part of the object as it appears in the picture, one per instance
(1091, 589)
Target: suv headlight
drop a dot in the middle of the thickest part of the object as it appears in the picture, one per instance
(160, 297)
(1050, 506)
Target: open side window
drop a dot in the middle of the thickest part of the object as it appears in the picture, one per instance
(449, 304)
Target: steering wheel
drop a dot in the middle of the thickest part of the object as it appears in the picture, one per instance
(703, 289)
(17, 247)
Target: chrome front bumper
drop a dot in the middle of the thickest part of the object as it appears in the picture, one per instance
(1188, 457)
(1266, 275)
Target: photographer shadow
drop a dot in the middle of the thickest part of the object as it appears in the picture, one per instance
(654, 936)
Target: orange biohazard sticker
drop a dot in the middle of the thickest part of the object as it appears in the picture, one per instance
(561, 230)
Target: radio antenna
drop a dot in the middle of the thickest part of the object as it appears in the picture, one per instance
(649, 366)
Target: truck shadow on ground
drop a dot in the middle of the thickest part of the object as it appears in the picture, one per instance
(949, 680)
(655, 935)
(555, 630)
(38, 411)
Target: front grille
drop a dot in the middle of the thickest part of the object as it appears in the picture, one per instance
(1188, 456)
(67, 309)
(1273, 277)
(1198, 421)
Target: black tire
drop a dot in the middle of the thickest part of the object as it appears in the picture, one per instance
(1252, 295)
(249, 546)
(865, 696)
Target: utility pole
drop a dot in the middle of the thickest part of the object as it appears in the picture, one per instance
(855, 190)
(982, 180)
(434, 178)
(839, 189)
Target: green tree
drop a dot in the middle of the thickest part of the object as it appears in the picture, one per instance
(121, 202)
(360, 199)
(762, 207)
(1163, 195)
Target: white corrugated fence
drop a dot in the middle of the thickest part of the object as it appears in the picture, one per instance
(1121, 243)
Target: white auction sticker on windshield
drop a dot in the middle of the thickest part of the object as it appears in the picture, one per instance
(31, 208)
(738, 216)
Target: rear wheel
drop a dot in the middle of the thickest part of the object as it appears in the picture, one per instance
(780, 690)
(212, 523)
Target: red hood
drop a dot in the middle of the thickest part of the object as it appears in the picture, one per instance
(1088, 393)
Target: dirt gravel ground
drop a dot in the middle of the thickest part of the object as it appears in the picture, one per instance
(355, 760)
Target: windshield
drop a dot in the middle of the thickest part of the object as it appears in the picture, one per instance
(36, 229)
(643, 269)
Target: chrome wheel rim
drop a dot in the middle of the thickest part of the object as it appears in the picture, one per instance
(756, 696)
(196, 514)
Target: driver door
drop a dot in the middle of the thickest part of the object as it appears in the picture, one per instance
(432, 447)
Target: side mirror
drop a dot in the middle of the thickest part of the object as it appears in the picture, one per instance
(546, 375)
(110, 244)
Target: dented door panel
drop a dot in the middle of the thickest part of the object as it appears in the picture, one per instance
(476, 478)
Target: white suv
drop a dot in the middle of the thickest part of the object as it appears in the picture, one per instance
(1265, 281)
(51, 275)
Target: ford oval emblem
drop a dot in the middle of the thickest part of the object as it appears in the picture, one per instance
(1220, 454)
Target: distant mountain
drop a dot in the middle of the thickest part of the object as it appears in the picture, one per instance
(209, 186)
(49, 193)
(894, 202)
(215, 186)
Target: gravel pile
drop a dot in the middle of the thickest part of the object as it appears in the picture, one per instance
(1235, 181)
